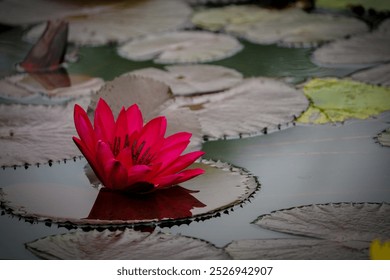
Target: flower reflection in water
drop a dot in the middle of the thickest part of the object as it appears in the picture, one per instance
(172, 203)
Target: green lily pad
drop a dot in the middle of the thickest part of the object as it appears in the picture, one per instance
(384, 137)
(123, 245)
(334, 100)
(221, 187)
(358, 51)
(342, 4)
(289, 27)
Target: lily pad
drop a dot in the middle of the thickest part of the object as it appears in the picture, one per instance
(37, 134)
(290, 27)
(292, 249)
(379, 75)
(384, 137)
(334, 100)
(358, 51)
(256, 105)
(124, 245)
(181, 47)
(123, 22)
(221, 187)
(354, 225)
(54, 84)
(342, 4)
(193, 79)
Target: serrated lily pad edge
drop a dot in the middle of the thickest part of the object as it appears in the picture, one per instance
(251, 184)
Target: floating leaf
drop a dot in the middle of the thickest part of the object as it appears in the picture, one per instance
(361, 50)
(352, 224)
(254, 106)
(342, 4)
(123, 245)
(55, 84)
(221, 187)
(384, 137)
(37, 134)
(290, 27)
(292, 249)
(124, 21)
(193, 79)
(335, 100)
(181, 47)
(379, 75)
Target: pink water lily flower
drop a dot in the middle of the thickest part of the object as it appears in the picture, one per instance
(127, 155)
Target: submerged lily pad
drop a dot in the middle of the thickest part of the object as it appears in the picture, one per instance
(221, 187)
(379, 75)
(384, 137)
(193, 79)
(181, 47)
(123, 245)
(354, 225)
(123, 21)
(54, 84)
(254, 106)
(362, 50)
(335, 100)
(37, 134)
(290, 27)
(292, 249)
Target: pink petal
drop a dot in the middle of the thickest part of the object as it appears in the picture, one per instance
(176, 138)
(121, 137)
(104, 122)
(137, 173)
(118, 176)
(84, 127)
(181, 162)
(126, 157)
(171, 180)
(105, 160)
(134, 119)
(168, 155)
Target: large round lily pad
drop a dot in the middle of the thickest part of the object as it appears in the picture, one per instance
(123, 245)
(124, 21)
(257, 105)
(335, 100)
(358, 51)
(193, 79)
(221, 187)
(290, 27)
(384, 137)
(181, 47)
(32, 134)
(379, 75)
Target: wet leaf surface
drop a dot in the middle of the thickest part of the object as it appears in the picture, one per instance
(122, 22)
(384, 137)
(379, 75)
(194, 199)
(193, 79)
(334, 100)
(32, 134)
(123, 245)
(265, 101)
(290, 27)
(181, 47)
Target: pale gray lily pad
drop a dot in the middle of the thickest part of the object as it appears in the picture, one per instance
(32, 134)
(292, 249)
(124, 21)
(384, 138)
(289, 27)
(379, 75)
(124, 245)
(193, 79)
(153, 98)
(24, 86)
(222, 187)
(358, 51)
(354, 225)
(16, 12)
(181, 47)
(257, 105)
